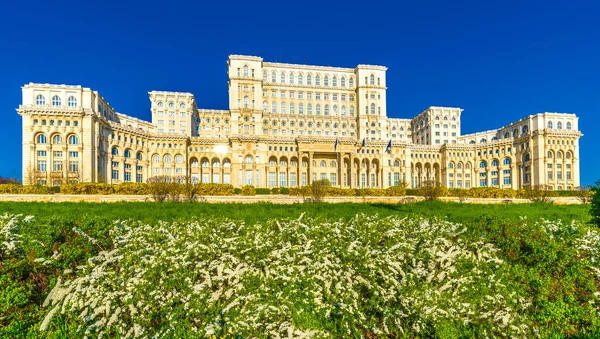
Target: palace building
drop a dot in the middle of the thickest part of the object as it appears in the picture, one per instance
(288, 125)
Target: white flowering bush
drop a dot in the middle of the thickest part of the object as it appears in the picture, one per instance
(9, 233)
(297, 278)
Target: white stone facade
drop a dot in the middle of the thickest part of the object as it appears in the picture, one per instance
(286, 126)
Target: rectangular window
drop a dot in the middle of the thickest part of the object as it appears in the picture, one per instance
(73, 154)
(507, 180)
(127, 176)
(257, 181)
(248, 177)
(57, 154)
(41, 165)
(549, 174)
(41, 153)
(396, 178)
(57, 166)
(115, 174)
(363, 178)
(482, 182)
(559, 175)
(226, 179)
(333, 179)
(303, 179)
(205, 178)
(240, 177)
(494, 181)
(216, 178)
(271, 179)
(282, 179)
(568, 175)
(139, 177)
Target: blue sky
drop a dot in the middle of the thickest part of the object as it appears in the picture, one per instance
(499, 61)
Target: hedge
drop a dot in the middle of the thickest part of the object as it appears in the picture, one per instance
(248, 190)
(394, 191)
(26, 189)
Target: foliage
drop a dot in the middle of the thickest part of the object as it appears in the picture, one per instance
(584, 194)
(350, 192)
(131, 188)
(595, 209)
(248, 190)
(262, 191)
(431, 190)
(159, 187)
(215, 189)
(87, 188)
(539, 193)
(12, 188)
(8, 181)
(318, 188)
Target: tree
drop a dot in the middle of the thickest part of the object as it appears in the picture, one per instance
(190, 190)
(539, 193)
(8, 180)
(584, 194)
(319, 188)
(431, 190)
(595, 210)
(159, 187)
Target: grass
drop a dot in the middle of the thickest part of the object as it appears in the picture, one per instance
(546, 268)
(260, 212)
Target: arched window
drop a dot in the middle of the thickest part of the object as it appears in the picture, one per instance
(249, 159)
(318, 109)
(179, 158)
(309, 109)
(468, 165)
(495, 163)
(127, 153)
(351, 82)
(181, 105)
(343, 111)
(451, 165)
(167, 158)
(335, 112)
(73, 140)
(334, 81)
(292, 78)
(194, 163)
(282, 78)
(274, 77)
(41, 139)
(245, 102)
(568, 125)
(550, 155)
(309, 79)
(114, 150)
(483, 141)
(332, 164)
(482, 164)
(549, 124)
(273, 107)
(226, 163)
(155, 158)
(524, 129)
(40, 100)
(326, 109)
(283, 107)
(318, 80)
(282, 162)
(205, 163)
(326, 81)
(526, 157)
(265, 106)
(139, 156)
(559, 125)
(568, 155)
(506, 135)
(472, 142)
(300, 108)
(323, 163)
(372, 108)
(159, 104)
(343, 82)
(351, 111)
(56, 100)
(459, 165)
(292, 108)
(245, 70)
(72, 101)
(216, 163)
(264, 76)
(515, 133)
(57, 139)
(559, 155)
(372, 80)
(506, 161)
(300, 79)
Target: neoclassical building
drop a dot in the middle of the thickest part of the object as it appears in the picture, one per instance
(286, 126)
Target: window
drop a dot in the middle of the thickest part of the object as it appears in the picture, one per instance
(56, 100)
(127, 153)
(273, 77)
(245, 70)
(41, 139)
(57, 139)
(372, 108)
(264, 76)
(71, 101)
(494, 162)
(57, 166)
(282, 78)
(179, 158)
(326, 81)
(167, 158)
(245, 102)
(568, 125)
(73, 140)
(40, 100)
(482, 164)
(559, 125)
(326, 109)
(41, 165)
(274, 107)
(300, 79)
(292, 80)
(549, 124)
(318, 80)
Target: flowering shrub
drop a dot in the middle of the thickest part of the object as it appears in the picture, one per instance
(248, 190)
(9, 237)
(87, 188)
(393, 191)
(212, 277)
(12, 188)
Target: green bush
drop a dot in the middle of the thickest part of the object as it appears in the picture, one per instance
(248, 190)
(262, 191)
(87, 188)
(237, 191)
(595, 209)
(132, 188)
(215, 189)
(12, 188)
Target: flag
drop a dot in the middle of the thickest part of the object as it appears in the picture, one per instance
(363, 144)
(388, 148)
(337, 141)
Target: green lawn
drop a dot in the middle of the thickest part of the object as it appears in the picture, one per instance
(543, 263)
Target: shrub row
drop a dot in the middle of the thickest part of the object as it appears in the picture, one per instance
(129, 188)
(394, 191)
(32, 189)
